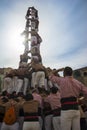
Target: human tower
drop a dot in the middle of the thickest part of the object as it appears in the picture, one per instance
(30, 72)
(32, 38)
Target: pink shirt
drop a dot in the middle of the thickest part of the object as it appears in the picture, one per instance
(38, 98)
(69, 86)
(54, 100)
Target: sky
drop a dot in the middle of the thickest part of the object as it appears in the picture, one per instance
(62, 27)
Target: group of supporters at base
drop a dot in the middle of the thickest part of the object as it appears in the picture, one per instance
(57, 110)
(27, 110)
(22, 79)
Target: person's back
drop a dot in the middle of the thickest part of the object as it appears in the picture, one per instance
(37, 97)
(12, 109)
(68, 85)
(54, 100)
(30, 108)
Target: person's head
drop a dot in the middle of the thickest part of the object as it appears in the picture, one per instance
(54, 90)
(4, 93)
(68, 71)
(20, 94)
(28, 97)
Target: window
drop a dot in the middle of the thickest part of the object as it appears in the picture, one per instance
(85, 74)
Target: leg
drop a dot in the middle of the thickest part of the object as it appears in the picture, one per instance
(66, 118)
(76, 120)
(56, 123)
(48, 122)
(19, 85)
(25, 85)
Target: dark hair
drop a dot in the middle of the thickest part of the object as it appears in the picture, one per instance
(11, 96)
(41, 90)
(68, 71)
(54, 90)
(4, 99)
(29, 97)
(4, 93)
(20, 94)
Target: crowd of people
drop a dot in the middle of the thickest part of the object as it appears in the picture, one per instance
(49, 103)
(25, 78)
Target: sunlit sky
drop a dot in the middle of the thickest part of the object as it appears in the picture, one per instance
(62, 27)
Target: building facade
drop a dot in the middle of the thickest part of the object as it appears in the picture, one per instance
(81, 75)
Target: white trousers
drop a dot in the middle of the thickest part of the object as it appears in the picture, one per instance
(8, 84)
(15, 126)
(26, 81)
(15, 78)
(40, 78)
(19, 85)
(50, 84)
(56, 123)
(46, 87)
(33, 80)
(32, 125)
(70, 118)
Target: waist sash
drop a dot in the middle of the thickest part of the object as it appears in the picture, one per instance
(69, 103)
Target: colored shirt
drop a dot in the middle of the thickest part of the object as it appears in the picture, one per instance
(38, 98)
(54, 100)
(69, 86)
